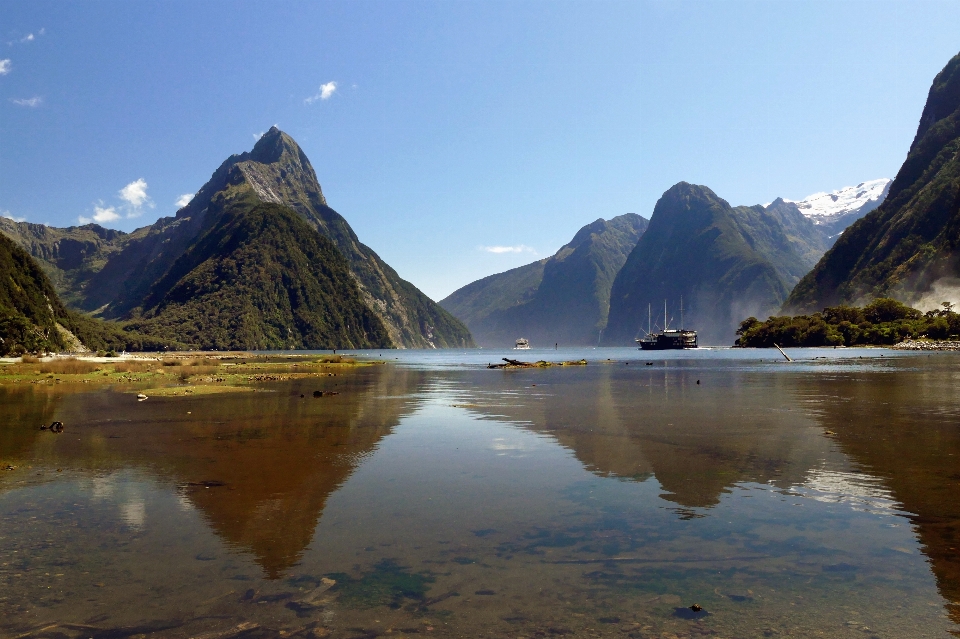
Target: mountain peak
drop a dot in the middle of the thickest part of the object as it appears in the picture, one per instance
(273, 145)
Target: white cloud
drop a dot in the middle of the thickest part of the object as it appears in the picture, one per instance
(135, 195)
(257, 136)
(105, 214)
(520, 248)
(27, 38)
(5, 66)
(324, 93)
(28, 102)
(183, 200)
(8, 215)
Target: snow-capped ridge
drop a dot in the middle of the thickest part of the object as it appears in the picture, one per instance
(824, 208)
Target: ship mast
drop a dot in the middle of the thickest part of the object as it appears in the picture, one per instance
(648, 318)
(664, 314)
(681, 312)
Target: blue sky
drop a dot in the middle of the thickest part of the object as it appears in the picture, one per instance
(454, 128)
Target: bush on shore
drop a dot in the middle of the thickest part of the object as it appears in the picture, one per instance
(883, 322)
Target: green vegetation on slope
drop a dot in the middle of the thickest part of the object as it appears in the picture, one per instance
(913, 239)
(33, 319)
(261, 278)
(884, 321)
(563, 299)
(28, 304)
(724, 262)
(472, 303)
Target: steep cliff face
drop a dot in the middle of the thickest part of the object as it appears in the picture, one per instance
(725, 263)
(116, 277)
(563, 299)
(909, 247)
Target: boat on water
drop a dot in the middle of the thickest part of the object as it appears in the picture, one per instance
(522, 345)
(667, 339)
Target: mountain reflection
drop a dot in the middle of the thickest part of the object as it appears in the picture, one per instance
(698, 440)
(902, 429)
(258, 466)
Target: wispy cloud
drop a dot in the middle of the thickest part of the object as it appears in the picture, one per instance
(183, 200)
(324, 93)
(9, 216)
(30, 37)
(519, 248)
(135, 195)
(5, 66)
(28, 102)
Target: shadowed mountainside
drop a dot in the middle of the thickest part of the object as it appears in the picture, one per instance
(726, 263)
(33, 319)
(564, 298)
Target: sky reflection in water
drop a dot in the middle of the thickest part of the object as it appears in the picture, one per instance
(808, 499)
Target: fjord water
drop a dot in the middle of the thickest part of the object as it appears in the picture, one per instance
(808, 499)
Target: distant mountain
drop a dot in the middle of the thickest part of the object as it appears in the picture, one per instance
(115, 273)
(561, 299)
(910, 245)
(726, 263)
(835, 211)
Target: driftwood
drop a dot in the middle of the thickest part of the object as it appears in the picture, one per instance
(782, 353)
(515, 363)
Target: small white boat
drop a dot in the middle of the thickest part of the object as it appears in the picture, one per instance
(522, 345)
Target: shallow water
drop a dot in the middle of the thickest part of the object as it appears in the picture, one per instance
(808, 499)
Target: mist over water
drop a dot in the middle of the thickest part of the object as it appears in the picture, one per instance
(812, 499)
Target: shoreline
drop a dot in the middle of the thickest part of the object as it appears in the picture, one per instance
(927, 345)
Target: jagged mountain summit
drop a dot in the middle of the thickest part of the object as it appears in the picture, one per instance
(122, 276)
(839, 209)
(909, 247)
(726, 263)
(562, 299)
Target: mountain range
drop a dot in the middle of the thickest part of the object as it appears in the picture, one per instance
(724, 263)
(561, 299)
(909, 247)
(257, 259)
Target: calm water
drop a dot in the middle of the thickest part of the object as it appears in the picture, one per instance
(812, 499)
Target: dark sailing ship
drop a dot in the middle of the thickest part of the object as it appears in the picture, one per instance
(667, 339)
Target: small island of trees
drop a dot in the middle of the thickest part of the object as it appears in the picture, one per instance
(883, 322)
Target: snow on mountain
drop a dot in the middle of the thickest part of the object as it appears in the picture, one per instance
(826, 208)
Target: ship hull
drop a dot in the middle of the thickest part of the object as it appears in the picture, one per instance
(669, 340)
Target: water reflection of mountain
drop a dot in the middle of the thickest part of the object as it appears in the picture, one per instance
(259, 466)
(697, 439)
(902, 428)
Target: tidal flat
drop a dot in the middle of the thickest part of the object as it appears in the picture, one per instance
(432, 496)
